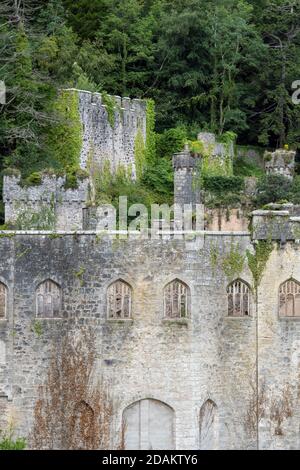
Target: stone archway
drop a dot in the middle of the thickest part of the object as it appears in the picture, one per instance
(149, 424)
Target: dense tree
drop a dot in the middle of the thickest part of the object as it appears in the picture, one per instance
(210, 64)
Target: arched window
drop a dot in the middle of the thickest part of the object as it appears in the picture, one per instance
(119, 295)
(209, 426)
(176, 300)
(238, 294)
(3, 300)
(149, 425)
(48, 299)
(289, 299)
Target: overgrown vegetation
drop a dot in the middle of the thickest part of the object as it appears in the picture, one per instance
(9, 442)
(257, 261)
(74, 409)
(226, 86)
(233, 262)
(41, 218)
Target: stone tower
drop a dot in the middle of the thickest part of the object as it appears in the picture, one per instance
(186, 169)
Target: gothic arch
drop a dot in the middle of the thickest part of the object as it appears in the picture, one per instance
(119, 300)
(209, 426)
(238, 298)
(48, 299)
(149, 424)
(289, 298)
(177, 299)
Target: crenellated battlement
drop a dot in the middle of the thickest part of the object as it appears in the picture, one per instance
(48, 205)
(111, 125)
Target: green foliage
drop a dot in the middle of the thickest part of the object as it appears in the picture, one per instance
(35, 179)
(110, 104)
(245, 167)
(65, 137)
(233, 262)
(42, 219)
(73, 175)
(149, 190)
(223, 184)
(139, 154)
(170, 141)
(228, 71)
(272, 188)
(37, 328)
(7, 442)
(11, 172)
(223, 191)
(258, 261)
(295, 190)
(159, 179)
(150, 132)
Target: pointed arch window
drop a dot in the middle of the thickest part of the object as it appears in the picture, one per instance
(239, 299)
(176, 300)
(119, 297)
(289, 299)
(48, 299)
(3, 300)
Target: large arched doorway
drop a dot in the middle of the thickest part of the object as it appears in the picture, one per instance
(149, 424)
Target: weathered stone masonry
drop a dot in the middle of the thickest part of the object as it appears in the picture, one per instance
(208, 357)
(104, 142)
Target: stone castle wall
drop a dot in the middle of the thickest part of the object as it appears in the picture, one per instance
(104, 142)
(211, 356)
(62, 208)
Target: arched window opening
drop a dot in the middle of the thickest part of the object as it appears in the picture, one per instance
(238, 295)
(289, 299)
(119, 295)
(176, 300)
(48, 299)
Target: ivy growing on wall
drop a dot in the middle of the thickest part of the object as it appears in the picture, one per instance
(150, 132)
(65, 138)
(110, 104)
(233, 262)
(257, 261)
(42, 219)
(139, 154)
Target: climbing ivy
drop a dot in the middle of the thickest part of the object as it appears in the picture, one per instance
(42, 219)
(139, 154)
(213, 256)
(110, 104)
(65, 138)
(257, 261)
(233, 262)
(150, 151)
